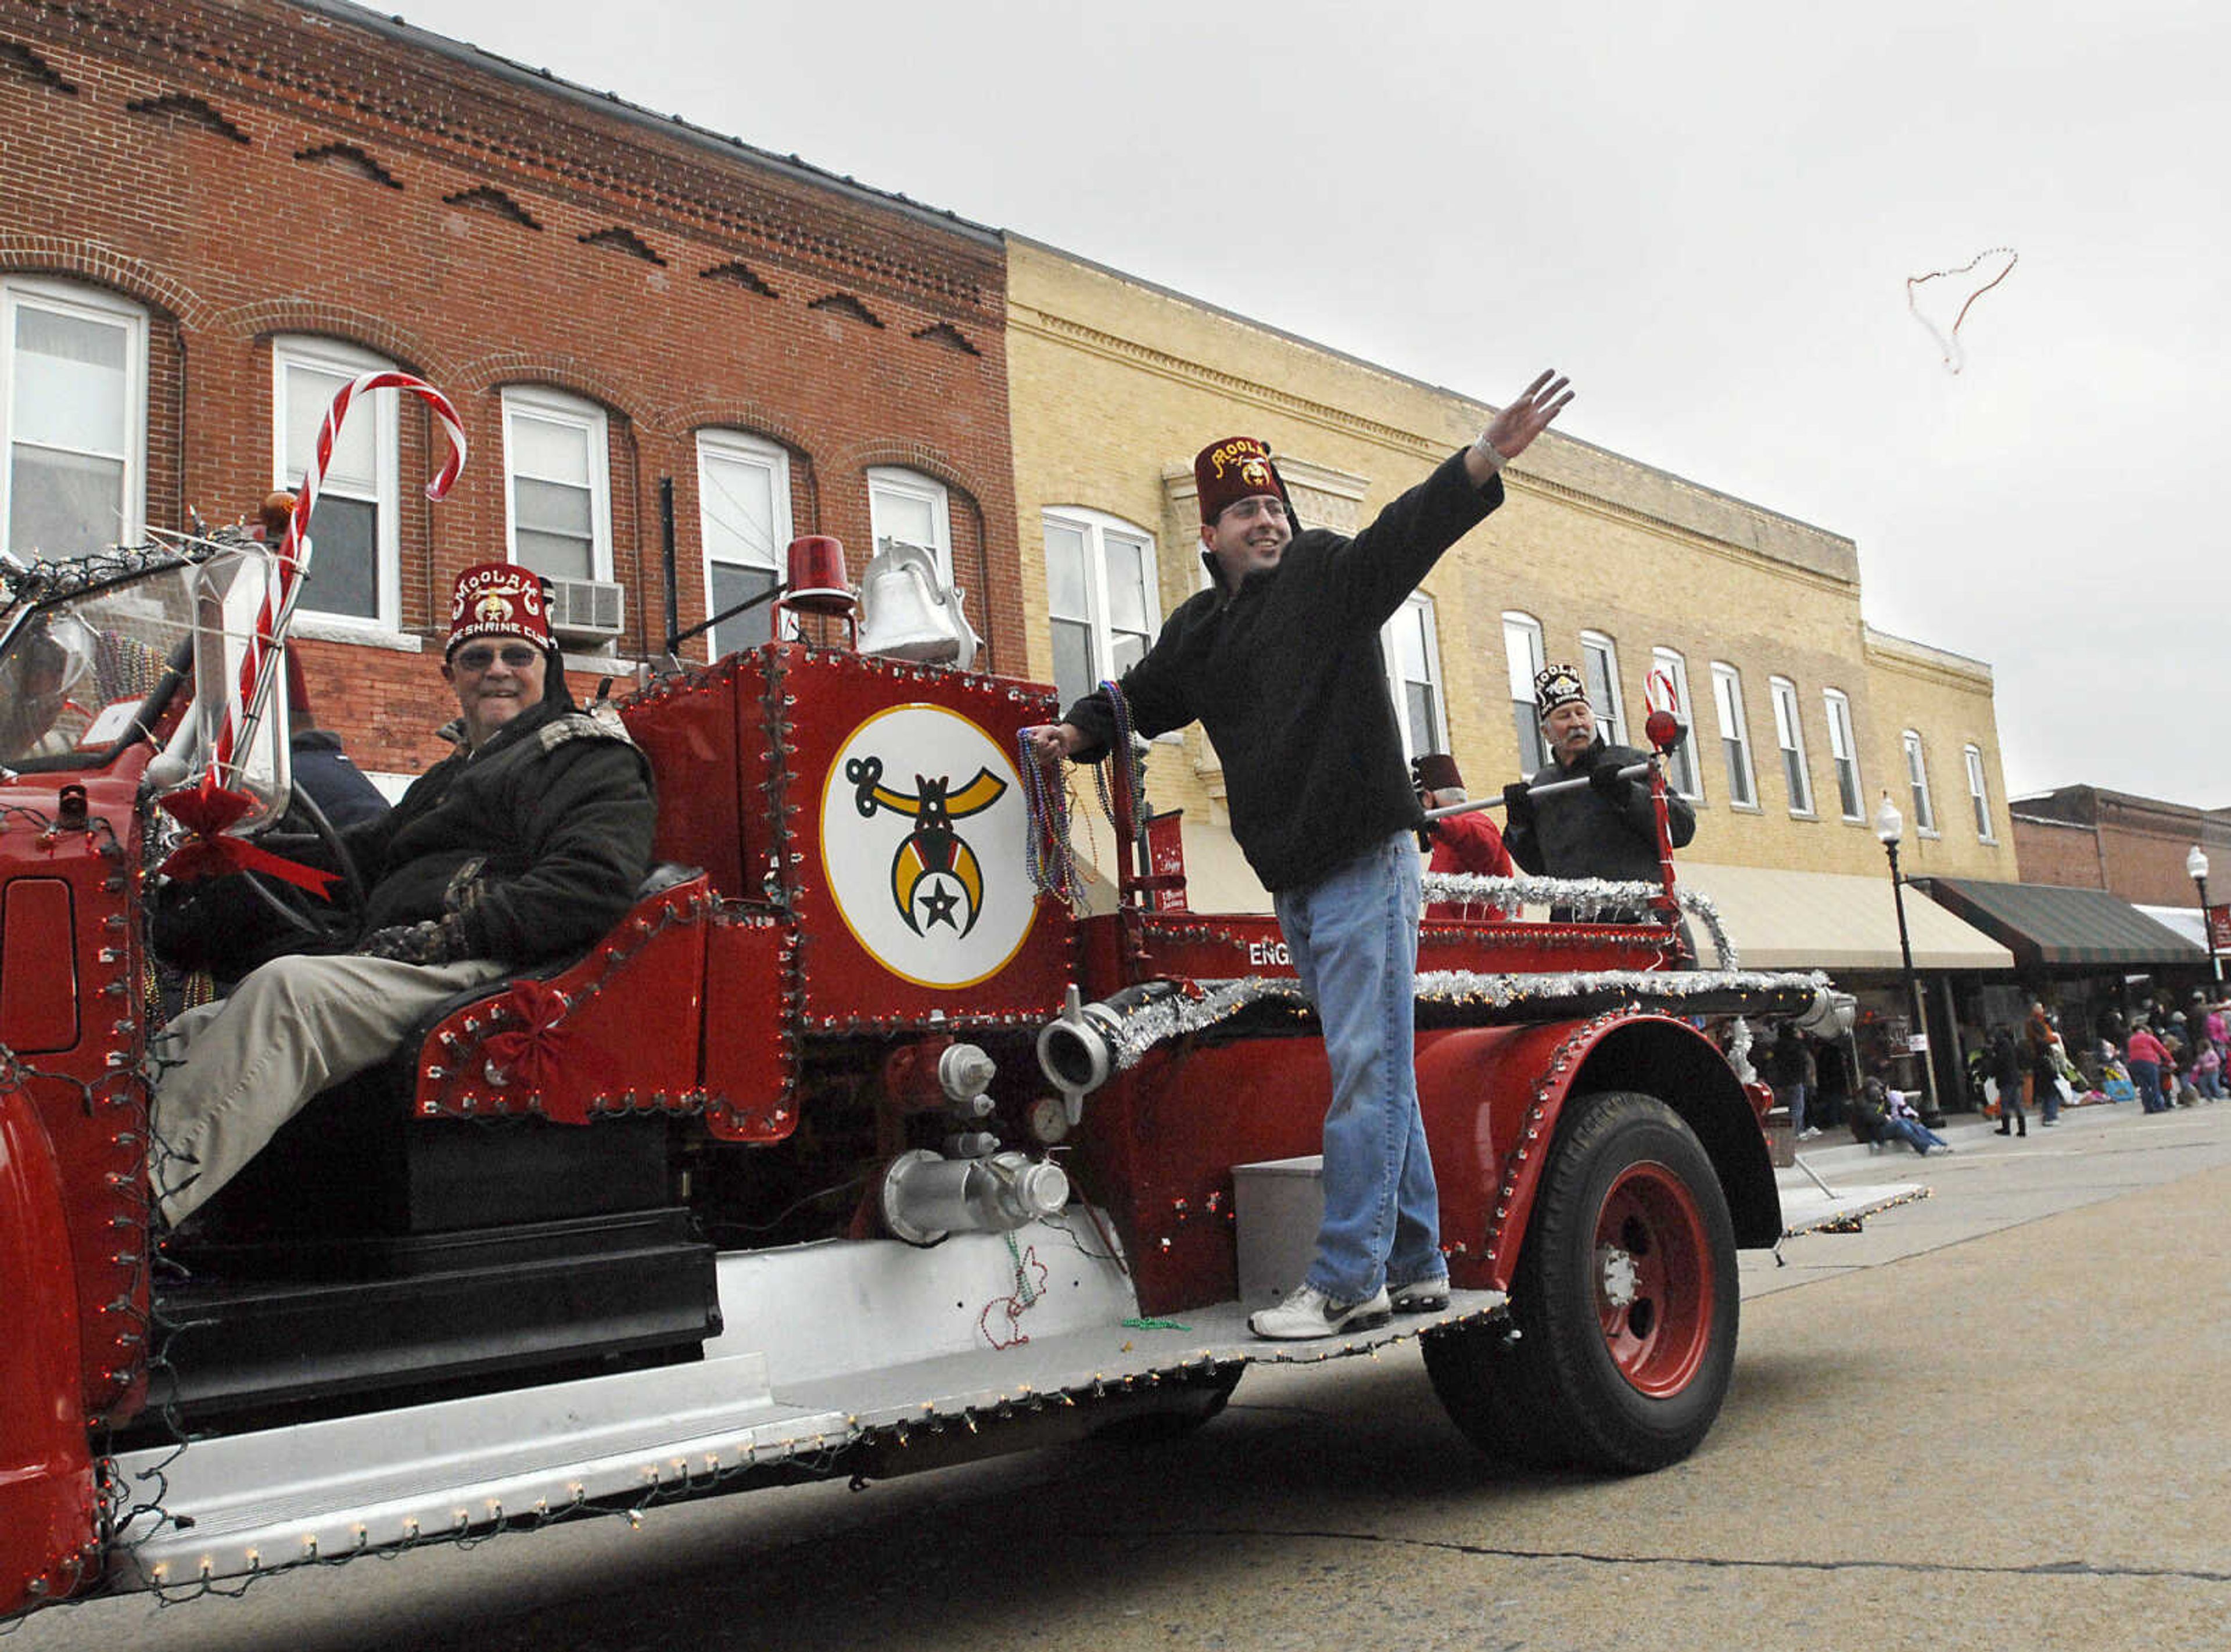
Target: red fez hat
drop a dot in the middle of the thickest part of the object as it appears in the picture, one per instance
(499, 599)
(1235, 468)
(1436, 771)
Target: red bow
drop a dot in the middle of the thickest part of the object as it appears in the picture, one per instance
(206, 812)
(530, 1054)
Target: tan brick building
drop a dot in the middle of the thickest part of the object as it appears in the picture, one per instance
(213, 214)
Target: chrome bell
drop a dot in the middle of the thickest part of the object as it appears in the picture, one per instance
(907, 613)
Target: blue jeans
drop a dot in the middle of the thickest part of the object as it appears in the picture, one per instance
(1353, 935)
(2146, 1075)
(1913, 1134)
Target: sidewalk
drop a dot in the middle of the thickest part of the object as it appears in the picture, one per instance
(1867, 1181)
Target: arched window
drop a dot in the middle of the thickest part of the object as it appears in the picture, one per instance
(557, 463)
(1734, 735)
(1413, 651)
(743, 522)
(1600, 670)
(1102, 595)
(1522, 652)
(1844, 748)
(1979, 793)
(354, 573)
(1681, 772)
(914, 509)
(1916, 776)
(1789, 735)
(73, 419)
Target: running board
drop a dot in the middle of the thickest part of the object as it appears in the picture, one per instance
(1842, 1211)
(240, 1505)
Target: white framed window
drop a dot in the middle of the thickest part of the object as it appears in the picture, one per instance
(1101, 596)
(743, 522)
(1789, 734)
(1522, 650)
(1916, 779)
(906, 506)
(1682, 773)
(1734, 735)
(1600, 669)
(73, 419)
(1412, 652)
(1979, 793)
(355, 557)
(557, 465)
(1845, 750)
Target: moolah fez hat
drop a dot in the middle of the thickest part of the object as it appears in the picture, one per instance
(1237, 467)
(1556, 685)
(499, 599)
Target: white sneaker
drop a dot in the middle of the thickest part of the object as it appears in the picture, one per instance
(1309, 1313)
(1807, 1134)
(1420, 1295)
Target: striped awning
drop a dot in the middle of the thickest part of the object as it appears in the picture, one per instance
(1780, 919)
(2046, 926)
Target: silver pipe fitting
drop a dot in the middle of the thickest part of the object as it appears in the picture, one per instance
(925, 1196)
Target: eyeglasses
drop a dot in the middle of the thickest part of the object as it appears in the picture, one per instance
(518, 656)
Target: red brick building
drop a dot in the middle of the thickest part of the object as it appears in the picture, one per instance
(215, 212)
(2084, 837)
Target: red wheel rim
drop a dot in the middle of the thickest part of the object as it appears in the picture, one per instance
(1654, 1288)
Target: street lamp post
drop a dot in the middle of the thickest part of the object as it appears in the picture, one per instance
(1889, 827)
(2195, 867)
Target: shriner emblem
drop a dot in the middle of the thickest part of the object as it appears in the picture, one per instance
(928, 876)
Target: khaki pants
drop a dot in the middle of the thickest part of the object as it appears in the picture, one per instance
(230, 1073)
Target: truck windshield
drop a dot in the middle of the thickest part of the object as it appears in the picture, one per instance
(77, 666)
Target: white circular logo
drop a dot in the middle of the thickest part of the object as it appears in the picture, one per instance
(923, 833)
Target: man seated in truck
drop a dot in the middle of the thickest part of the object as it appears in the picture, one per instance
(524, 844)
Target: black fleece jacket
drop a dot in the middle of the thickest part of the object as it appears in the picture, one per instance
(1581, 834)
(1286, 676)
(535, 843)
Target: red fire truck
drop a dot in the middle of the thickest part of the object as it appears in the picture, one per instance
(851, 1151)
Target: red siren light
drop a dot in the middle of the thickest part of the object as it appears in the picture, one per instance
(817, 583)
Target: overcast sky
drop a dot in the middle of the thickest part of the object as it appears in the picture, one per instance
(1707, 214)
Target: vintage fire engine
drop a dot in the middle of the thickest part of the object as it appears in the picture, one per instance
(852, 1151)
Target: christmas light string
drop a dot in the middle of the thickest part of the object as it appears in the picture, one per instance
(1948, 342)
(1586, 897)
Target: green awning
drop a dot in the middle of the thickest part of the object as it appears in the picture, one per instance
(2045, 925)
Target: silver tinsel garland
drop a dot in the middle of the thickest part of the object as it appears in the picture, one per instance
(1178, 1014)
(1585, 896)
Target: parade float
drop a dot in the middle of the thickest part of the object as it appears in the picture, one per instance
(859, 1147)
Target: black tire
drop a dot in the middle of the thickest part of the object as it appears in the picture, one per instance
(1619, 1362)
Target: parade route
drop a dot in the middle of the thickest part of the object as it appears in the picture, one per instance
(1992, 1418)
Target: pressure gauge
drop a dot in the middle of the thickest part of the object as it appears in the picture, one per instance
(1049, 1120)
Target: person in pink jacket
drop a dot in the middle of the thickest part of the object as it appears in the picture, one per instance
(2146, 1057)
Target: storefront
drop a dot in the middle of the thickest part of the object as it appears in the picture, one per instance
(1846, 926)
(2081, 952)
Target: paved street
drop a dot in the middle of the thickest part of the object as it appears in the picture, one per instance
(1994, 1419)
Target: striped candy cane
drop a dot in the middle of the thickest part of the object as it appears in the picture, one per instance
(259, 660)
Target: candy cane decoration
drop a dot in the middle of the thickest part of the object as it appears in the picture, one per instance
(259, 660)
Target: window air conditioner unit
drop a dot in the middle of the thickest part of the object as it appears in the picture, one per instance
(586, 610)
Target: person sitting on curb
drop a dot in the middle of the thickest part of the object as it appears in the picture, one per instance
(1890, 1117)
